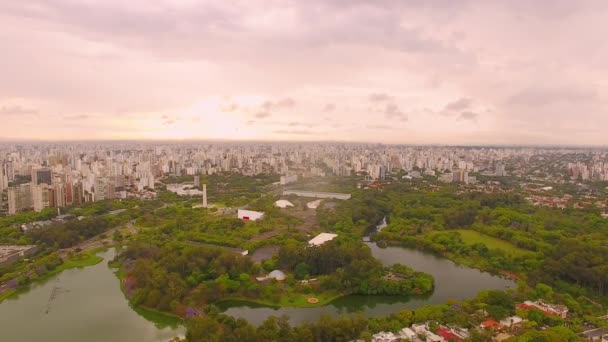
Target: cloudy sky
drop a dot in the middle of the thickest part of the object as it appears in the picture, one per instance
(393, 71)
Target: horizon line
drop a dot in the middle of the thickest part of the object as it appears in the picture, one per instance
(4, 141)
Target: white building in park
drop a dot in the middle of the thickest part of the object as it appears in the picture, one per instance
(283, 204)
(313, 204)
(321, 239)
(277, 275)
(316, 194)
(249, 215)
(284, 180)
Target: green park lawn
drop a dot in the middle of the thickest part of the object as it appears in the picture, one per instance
(297, 300)
(471, 237)
(81, 260)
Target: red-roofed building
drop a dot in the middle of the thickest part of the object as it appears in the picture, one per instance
(490, 324)
(448, 334)
(547, 309)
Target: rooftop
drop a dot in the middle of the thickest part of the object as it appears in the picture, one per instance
(321, 239)
(283, 203)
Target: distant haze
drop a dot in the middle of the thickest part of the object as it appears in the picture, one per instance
(392, 71)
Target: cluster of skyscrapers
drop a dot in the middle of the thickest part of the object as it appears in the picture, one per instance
(593, 170)
(39, 176)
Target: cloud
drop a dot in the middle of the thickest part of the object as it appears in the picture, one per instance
(167, 120)
(262, 115)
(549, 95)
(468, 115)
(458, 105)
(17, 110)
(169, 28)
(379, 97)
(300, 124)
(379, 127)
(294, 132)
(269, 107)
(306, 57)
(392, 112)
(76, 117)
(231, 107)
(285, 103)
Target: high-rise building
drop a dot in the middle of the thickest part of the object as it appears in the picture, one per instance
(500, 170)
(460, 176)
(100, 189)
(77, 193)
(19, 198)
(59, 192)
(205, 195)
(41, 197)
(69, 194)
(42, 176)
(197, 181)
(2, 186)
(9, 171)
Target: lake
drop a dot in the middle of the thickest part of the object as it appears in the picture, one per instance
(87, 304)
(451, 282)
(78, 305)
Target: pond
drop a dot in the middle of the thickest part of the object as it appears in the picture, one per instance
(77, 305)
(264, 253)
(451, 282)
(87, 304)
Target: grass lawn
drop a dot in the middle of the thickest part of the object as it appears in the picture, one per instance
(296, 300)
(219, 205)
(471, 237)
(7, 294)
(160, 319)
(299, 300)
(80, 260)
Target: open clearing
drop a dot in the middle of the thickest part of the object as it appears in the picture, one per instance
(471, 237)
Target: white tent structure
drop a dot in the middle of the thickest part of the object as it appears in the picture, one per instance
(313, 204)
(249, 215)
(283, 204)
(321, 239)
(277, 275)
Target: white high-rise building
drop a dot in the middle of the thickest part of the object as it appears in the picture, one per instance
(19, 198)
(205, 195)
(500, 170)
(40, 197)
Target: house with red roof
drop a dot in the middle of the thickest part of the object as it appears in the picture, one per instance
(490, 324)
(547, 309)
(448, 334)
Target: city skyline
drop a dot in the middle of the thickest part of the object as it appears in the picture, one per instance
(388, 72)
(175, 141)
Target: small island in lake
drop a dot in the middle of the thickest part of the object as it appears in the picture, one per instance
(174, 276)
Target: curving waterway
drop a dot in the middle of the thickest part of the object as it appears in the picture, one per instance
(451, 282)
(87, 304)
(81, 304)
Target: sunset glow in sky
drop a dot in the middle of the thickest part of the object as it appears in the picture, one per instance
(393, 71)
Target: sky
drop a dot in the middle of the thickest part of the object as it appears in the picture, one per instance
(391, 71)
